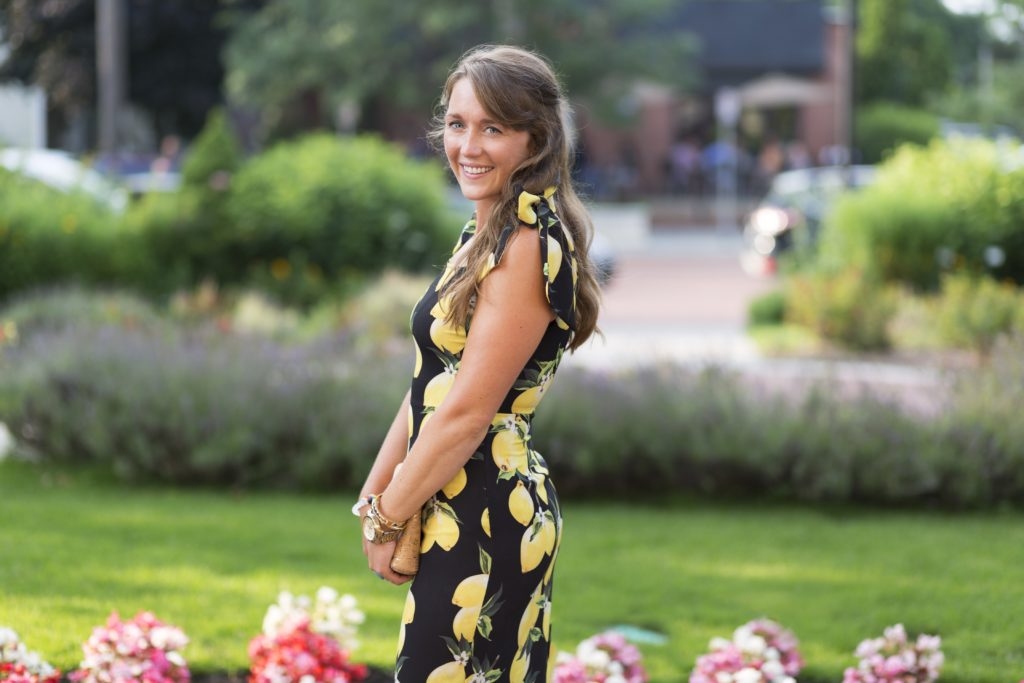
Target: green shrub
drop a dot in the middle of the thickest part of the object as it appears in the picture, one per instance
(199, 407)
(955, 205)
(973, 312)
(48, 237)
(881, 128)
(984, 457)
(214, 156)
(330, 208)
(847, 307)
(768, 309)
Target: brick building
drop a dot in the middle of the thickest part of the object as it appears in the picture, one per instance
(781, 63)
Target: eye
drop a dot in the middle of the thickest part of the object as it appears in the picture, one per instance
(454, 124)
(494, 130)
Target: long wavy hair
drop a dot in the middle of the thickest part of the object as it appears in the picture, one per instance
(519, 89)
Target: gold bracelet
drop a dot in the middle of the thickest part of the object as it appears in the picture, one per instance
(377, 528)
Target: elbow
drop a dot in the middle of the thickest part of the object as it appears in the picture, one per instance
(464, 419)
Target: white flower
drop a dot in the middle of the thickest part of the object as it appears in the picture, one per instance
(326, 594)
(896, 634)
(615, 678)
(752, 645)
(6, 445)
(307, 679)
(773, 669)
(7, 635)
(747, 675)
(723, 677)
(719, 643)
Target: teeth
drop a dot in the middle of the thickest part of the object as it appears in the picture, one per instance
(476, 170)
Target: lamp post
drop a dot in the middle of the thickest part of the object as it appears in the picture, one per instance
(111, 70)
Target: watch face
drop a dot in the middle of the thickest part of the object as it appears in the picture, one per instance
(368, 531)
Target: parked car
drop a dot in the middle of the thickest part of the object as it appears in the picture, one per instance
(63, 172)
(792, 212)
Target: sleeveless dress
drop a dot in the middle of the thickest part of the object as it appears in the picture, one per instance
(479, 610)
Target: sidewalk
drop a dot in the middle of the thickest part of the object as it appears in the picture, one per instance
(681, 297)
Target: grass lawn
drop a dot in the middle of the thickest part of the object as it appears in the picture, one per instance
(73, 548)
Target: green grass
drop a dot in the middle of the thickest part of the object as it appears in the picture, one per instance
(73, 548)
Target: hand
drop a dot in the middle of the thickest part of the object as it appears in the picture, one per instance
(379, 556)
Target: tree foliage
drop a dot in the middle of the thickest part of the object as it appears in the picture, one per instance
(326, 54)
(904, 50)
(175, 72)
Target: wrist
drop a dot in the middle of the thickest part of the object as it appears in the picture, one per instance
(377, 528)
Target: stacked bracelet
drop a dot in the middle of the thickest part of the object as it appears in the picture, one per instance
(377, 528)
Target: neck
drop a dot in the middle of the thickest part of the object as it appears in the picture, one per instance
(483, 211)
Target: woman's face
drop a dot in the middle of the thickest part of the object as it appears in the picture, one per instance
(482, 152)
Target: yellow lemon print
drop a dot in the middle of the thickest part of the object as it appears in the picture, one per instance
(455, 486)
(531, 549)
(407, 616)
(446, 336)
(452, 672)
(509, 451)
(410, 609)
(554, 258)
(529, 618)
(419, 360)
(520, 504)
(464, 624)
(440, 529)
(548, 534)
(569, 240)
(437, 388)
(527, 401)
(520, 666)
(470, 591)
(485, 522)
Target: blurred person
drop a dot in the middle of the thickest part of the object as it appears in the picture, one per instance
(518, 291)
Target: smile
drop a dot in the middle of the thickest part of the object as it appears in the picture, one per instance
(476, 170)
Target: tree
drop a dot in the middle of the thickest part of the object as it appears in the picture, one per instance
(300, 61)
(904, 51)
(174, 50)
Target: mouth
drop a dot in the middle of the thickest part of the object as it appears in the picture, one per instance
(475, 171)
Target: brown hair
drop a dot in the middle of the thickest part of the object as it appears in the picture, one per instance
(520, 89)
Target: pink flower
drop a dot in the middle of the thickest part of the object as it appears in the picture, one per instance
(143, 650)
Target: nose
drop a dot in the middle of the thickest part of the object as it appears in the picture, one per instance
(471, 144)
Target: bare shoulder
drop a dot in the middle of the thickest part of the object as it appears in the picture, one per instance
(522, 253)
(519, 272)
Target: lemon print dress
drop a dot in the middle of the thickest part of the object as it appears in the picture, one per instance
(480, 608)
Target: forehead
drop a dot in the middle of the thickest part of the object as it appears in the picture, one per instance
(463, 100)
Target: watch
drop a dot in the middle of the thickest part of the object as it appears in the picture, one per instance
(377, 528)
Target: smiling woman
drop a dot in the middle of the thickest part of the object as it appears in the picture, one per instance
(489, 334)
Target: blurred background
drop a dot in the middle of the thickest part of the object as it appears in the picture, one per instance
(216, 215)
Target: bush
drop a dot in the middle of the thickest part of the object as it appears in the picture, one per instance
(48, 237)
(973, 312)
(199, 406)
(326, 209)
(848, 307)
(768, 309)
(881, 128)
(955, 205)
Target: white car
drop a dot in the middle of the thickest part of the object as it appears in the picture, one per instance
(63, 172)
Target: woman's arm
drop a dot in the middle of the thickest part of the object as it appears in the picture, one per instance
(509, 321)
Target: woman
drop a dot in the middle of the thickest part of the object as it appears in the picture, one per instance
(489, 335)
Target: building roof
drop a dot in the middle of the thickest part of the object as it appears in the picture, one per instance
(742, 39)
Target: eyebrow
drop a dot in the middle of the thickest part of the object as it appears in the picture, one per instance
(457, 115)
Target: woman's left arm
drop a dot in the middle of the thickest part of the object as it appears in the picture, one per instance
(510, 318)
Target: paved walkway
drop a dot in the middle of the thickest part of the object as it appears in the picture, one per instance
(682, 297)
